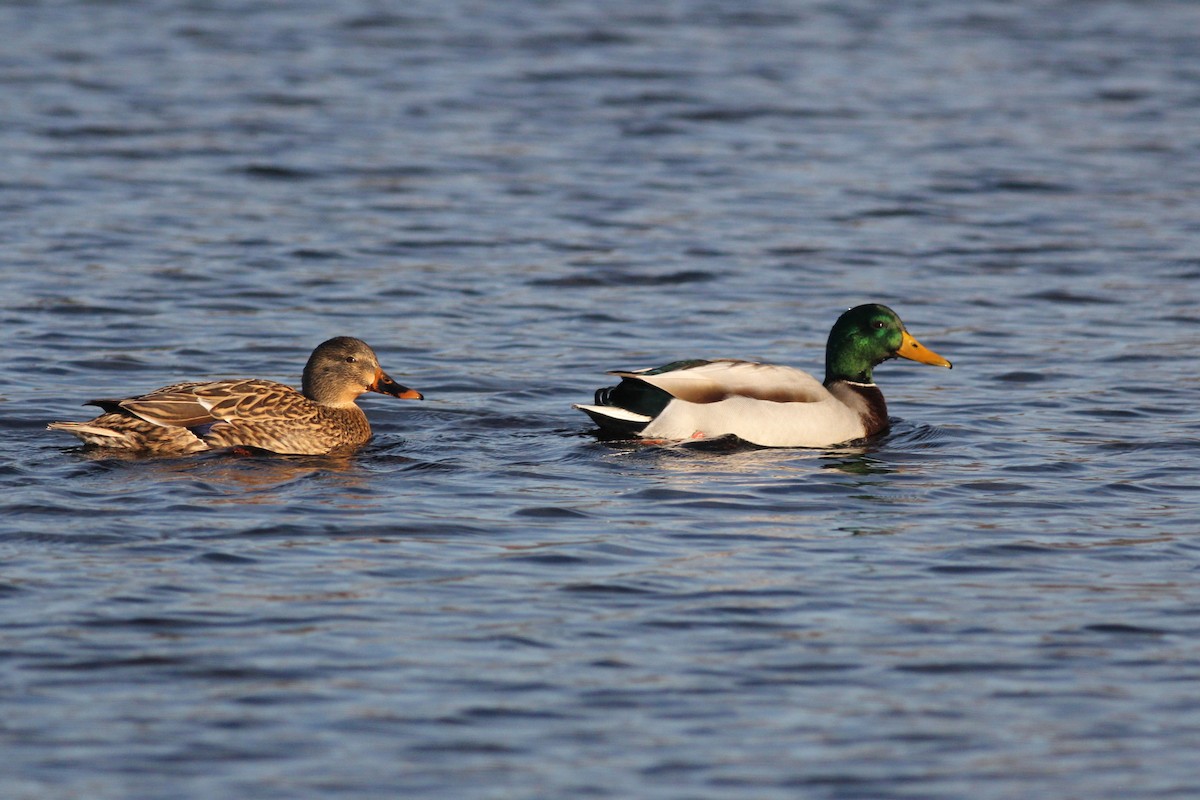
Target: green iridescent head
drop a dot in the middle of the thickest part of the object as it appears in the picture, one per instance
(867, 335)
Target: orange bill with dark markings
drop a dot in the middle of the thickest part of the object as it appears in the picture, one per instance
(385, 385)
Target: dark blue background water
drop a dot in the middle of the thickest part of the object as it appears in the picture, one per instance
(997, 599)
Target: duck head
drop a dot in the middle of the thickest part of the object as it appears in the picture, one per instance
(867, 335)
(342, 368)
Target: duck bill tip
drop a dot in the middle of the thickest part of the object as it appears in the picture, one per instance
(385, 385)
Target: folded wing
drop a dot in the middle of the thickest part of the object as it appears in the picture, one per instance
(714, 381)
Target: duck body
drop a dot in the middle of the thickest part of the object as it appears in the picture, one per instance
(195, 416)
(765, 404)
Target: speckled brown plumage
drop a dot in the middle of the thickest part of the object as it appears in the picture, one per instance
(201, 415)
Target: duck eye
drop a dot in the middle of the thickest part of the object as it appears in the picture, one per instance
(350, 359)
(879, 324)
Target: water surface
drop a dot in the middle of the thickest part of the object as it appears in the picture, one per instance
(997, 598)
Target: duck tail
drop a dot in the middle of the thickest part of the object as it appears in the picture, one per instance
(614, 420)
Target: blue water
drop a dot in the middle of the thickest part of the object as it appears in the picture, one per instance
(997, 599)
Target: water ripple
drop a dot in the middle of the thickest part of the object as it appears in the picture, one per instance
(486, 600)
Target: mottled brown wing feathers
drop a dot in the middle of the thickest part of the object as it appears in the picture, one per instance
(259, 401)
(190, 405)
(170, 412)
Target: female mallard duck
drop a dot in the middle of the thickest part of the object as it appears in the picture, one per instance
(766, 404)
(260, 414)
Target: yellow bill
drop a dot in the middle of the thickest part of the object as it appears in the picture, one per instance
(911, 349)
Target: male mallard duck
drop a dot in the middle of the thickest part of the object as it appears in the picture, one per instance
(766, 404)
(203, 415)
